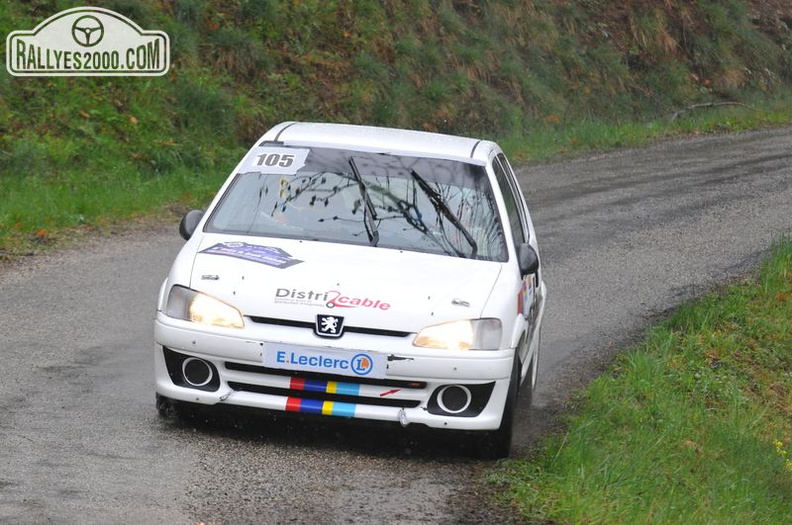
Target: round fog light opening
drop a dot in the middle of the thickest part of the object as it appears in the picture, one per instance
(454, 399)
(197, 372)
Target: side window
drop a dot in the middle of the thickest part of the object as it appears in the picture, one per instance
(511, 200)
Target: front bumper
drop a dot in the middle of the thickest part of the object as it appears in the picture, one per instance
(438, 389)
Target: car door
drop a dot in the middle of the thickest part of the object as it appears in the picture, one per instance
(522, 232)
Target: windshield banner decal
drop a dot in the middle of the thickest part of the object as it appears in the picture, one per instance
(268, 255)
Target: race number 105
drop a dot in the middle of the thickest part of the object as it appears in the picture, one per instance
(284, 160)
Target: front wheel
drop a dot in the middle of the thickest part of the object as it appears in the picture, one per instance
(497, 443)
(177, 410)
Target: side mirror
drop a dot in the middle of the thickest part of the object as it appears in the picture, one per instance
(189, 223)
(528, 259)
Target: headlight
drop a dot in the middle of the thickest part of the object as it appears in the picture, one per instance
(470, 334)
(197, 307)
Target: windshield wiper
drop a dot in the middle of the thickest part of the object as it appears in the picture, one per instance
(441, 206)
(369, 212)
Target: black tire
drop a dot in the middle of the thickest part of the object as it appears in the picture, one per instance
(497, 443)
(165, 407)
(177, 410)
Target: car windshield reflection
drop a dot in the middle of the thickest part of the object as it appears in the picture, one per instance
(448, 208)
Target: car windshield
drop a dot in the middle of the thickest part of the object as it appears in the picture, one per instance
(391, 201)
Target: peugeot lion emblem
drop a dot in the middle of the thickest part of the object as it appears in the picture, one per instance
(329, 326)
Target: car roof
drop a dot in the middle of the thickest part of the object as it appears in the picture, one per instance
(382, 140)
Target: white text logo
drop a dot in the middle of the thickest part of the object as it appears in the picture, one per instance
(87, 41)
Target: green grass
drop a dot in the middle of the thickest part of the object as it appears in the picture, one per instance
(692, 426)
(556, 139)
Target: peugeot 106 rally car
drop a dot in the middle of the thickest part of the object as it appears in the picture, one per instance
(359, 272)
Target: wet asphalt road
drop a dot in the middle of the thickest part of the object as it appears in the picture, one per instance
(624, 238)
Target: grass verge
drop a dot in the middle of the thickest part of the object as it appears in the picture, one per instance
(692, 426)
(559, 138)
(46, 211)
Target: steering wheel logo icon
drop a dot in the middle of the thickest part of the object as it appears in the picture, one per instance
(87, 31)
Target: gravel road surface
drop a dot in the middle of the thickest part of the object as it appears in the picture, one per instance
(624, 236)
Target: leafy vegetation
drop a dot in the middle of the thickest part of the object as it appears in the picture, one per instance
(692, 426)
(544, 78)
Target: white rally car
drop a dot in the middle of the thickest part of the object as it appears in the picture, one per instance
(359, 272)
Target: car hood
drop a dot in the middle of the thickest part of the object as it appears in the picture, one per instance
(378, 287)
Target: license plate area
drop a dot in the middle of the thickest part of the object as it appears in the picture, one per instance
(352, 363)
